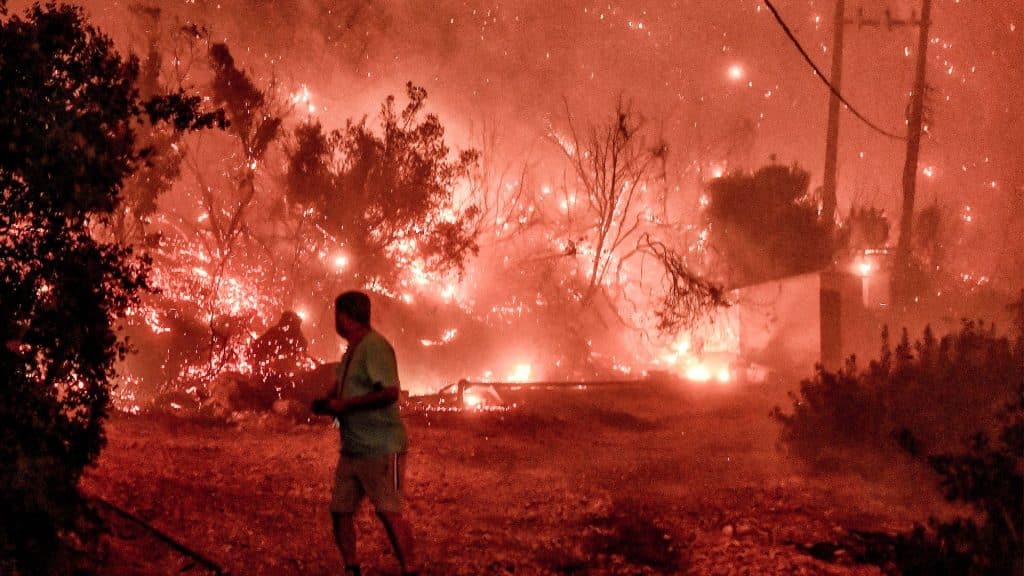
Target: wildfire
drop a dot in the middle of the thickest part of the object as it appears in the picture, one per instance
(521, 373)
(446, 337)
(302, 97)
(864, 268)
(704, 354)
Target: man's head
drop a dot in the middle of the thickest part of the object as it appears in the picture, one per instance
(351, 313)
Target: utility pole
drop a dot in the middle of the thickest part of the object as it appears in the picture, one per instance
(829, 202)
(900, 285)
(828, 189)
(832, 137)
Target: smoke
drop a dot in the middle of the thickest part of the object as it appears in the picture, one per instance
(718, 82)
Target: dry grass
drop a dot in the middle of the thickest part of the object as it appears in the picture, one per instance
(638, 479)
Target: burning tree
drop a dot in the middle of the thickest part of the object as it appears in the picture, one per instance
(620, 232)
(610, 162)
(70, 108)
(388, 196)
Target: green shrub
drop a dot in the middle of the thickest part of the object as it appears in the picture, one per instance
(943, 391)
(68, 115)
(942, 402)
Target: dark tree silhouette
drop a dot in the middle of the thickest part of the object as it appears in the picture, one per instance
(865, 228)
(68, 110)
(764, 225)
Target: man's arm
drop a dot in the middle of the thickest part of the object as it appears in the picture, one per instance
(329, 379)
(380, 397)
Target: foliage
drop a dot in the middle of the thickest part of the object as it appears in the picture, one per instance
(68, 108)
(989, 476)
(159, 143)
(688, 297)
(866, 228)
(928, 398)
(943, 390)
(764, 225)
(378, 190)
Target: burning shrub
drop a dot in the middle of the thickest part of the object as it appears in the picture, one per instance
(70, 107)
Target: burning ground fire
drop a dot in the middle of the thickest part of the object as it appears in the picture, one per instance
(559, 284)
(217, 292)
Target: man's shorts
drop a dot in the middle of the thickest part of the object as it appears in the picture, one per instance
(378, 477)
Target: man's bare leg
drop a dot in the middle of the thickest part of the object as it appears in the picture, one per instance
(345, 538)
(400, 534)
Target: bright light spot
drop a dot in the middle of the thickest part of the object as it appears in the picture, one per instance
(301, 313)
(340, 262)
(929, 171)
(449, 291)
(471, 400)
(407, 298)
(302, 96)
(521, 373)
(723, 375)
(698, 373)
(864, 268)
(735, 72)
(967, 216)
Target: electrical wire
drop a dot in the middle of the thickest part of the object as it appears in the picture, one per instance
(820, 75)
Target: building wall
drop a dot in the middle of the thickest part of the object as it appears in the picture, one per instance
(780, 323)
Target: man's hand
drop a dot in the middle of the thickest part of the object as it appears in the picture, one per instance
(329, 406)
(321, 407)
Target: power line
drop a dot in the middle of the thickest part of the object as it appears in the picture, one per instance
(821, 76)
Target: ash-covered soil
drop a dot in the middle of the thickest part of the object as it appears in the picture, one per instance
(653, 478)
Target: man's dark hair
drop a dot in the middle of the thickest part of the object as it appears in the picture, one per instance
(354, 304)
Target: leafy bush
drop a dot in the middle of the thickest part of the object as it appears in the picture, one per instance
(68, 111)
(928, 398)
(990, 477)
(943, 391)
(766, 226)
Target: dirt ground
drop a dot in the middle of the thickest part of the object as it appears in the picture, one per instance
(651, 478)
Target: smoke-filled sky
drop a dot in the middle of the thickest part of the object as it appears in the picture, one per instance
(718, 80)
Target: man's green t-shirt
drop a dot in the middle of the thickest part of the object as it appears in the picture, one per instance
(366, 368)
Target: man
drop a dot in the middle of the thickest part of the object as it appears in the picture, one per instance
(373, 438)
